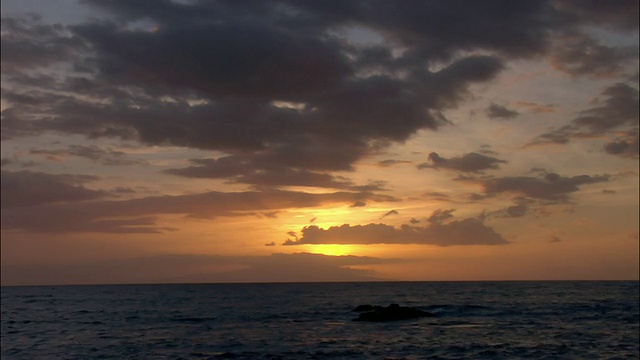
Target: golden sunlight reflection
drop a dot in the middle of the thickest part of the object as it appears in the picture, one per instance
(331, 249)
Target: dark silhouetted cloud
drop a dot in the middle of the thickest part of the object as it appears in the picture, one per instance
(358, 203)
(620, 15)
(107, 157)
(26, 188)
(626, 145)
(29, 44)
(137, 215)
(469, 231)
(439, 216)
(271, 83)
(392, 162)
(577, 54)
(261, 171)
(496, 111)
(389, 213)
(621, 108)
(550, 187)
(471, 162)
(517, 210)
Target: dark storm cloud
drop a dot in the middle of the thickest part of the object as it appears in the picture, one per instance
(471, 162)
(137, 215)
(242, 60)
(29, 44)
(496, 111)
(273, 82)
(26, 188)
(617, 14)
(619, 109)
(469, 231)
(439, 27)
(550, 187)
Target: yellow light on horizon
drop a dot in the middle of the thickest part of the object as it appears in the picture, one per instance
(331, 249)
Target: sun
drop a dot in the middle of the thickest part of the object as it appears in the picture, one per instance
(331, 249)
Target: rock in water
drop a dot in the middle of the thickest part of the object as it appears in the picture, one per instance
(367, 307)
(392, 312)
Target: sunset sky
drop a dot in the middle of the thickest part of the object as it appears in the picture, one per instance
(233, 141)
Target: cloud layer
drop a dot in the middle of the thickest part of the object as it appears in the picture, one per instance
(279, 86)
(470, 231)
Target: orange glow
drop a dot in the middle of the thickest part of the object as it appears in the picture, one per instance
(333, 250)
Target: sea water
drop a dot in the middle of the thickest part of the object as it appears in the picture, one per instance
(475, 320)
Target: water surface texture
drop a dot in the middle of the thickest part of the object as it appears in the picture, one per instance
(481, 320)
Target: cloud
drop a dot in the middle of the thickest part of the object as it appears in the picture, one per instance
(392, 162)
(469, 231)
(29, 44)
(26, 188)
(439, 196)
(495, 111)
(625, 146)
(277, 83)
(196, 268)
(536, 108)
(389, 213)
(107, 157)
(621, 108)
(15, 161)
(471, 162)
(517, 210)
(550, 187)
(522, 206)
(439, 216)
(306, 267)
(619, 15)
(262, 171)
(138, 215)
(555, 239)
(578, 55)
(290, 90)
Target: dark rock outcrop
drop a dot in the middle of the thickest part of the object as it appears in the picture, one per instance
(367, 307)
(392, 312)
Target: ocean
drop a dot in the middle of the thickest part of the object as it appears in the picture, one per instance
(475, 320)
